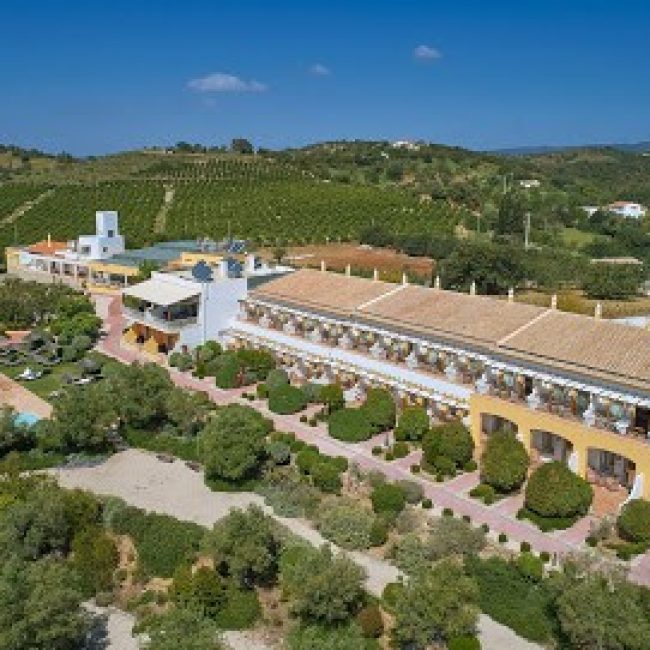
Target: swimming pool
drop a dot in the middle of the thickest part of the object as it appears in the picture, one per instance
(26, 418)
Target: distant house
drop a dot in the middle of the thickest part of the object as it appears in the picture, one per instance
(529, 183)
(405, 144)
(627, 209)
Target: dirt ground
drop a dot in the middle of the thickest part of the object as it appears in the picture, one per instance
(389, 263)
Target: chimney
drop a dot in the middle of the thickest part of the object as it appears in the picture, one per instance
(323, 267)
(511, 295)
(375, 275)
(472, 288)
(598, 311)
(405, 279)
(347, 270)
(49, 239)
(223, 267)
(436, 284)
(554, 301)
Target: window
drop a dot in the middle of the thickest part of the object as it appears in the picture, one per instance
(85, 250)
(105, 249)
(111, 233)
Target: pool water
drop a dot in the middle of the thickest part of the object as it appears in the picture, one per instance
(27, 419)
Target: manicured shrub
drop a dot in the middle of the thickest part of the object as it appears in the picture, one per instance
(447, 512)
(503, 538)
(227, 373)
(545, 556)
(463, 642)
(331, 395)
(415, 469)
(524, 547)
(592, 541)
(427, 504)
(286, 399)
(413, 424)
(304, 418)
(313, 422)
(451, 441)
(370, 621)
(275, 379)
(377, 450)
(389, 456)
(346, 524)
(443, 466)
(400, 450)
(262, 391)
(349, 425)
(326, 477)
(413, 491)
(504, 463)
(485, 528)
(379, 408)
(470, 466)
(553, 490)
(634, 521)
(484, 492)
(306, 459)
(467, 519)
(388, 498)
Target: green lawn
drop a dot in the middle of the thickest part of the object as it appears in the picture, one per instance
(52, 380)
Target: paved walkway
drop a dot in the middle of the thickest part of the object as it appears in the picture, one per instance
(500, 517)
(23, 400)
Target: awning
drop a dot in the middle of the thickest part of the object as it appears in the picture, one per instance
(162, 293)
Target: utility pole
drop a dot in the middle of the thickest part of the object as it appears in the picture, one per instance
(527, 231)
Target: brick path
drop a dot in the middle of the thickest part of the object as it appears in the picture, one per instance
(450, 494)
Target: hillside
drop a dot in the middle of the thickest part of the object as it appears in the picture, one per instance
(323, 192)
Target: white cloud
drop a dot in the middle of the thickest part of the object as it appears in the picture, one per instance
(220, 82)
(319, 70)
(426, 53)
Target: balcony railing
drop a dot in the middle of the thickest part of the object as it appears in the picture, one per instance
(149, 317)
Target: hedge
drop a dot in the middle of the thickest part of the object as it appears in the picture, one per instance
(553, 490)
(504, 463)
(285, 399)
(349, 425)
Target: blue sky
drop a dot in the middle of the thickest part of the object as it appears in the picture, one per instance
(98, 76)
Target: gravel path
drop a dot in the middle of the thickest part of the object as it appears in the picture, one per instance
(172, 488)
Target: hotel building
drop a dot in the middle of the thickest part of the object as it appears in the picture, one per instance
(573, 388)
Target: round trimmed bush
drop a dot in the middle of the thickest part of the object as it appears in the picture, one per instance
(379, 409)
(524, 547)
(286, 399)
(503, 538)
(370, 621)
(634, 521)
(553, 490)
(452, 441)
(388, 498)
(427, 504)
(326, 477)
(412, 424)
(349, 425)
(400, 450)
(504, 463)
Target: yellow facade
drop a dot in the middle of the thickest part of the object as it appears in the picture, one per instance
(581, 436)
(113, 269)
(13, 259)
(189, 258)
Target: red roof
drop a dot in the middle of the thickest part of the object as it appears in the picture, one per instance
(47, 248)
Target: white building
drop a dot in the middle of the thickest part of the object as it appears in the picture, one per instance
(529, 183)
(627, 209)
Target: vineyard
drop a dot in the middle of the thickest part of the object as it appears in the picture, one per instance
(70, 211)
(298, 211)
(223, 168)
(12, 196)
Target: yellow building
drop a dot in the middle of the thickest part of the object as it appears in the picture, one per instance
(573, 388)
